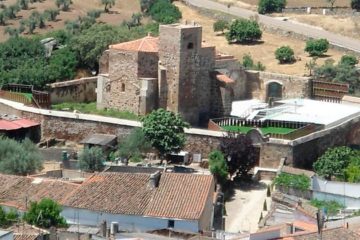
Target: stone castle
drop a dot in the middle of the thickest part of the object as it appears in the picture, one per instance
(179, 72)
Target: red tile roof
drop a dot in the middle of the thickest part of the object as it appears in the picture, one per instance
(327, 234)
(181, 196)
(146, 44)
(120, 193)
(32, 189)
(16, 124)
(223, 78)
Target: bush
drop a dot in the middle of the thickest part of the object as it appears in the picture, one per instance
(244, 31)
(332, 207)
(355, 4)
(218, 166)
(300, 182)
(317, 47)
(348, 60)
(163, 11)
(91, 159)
(269, 6)
(285, 54)
(248, 63)
(220, 26)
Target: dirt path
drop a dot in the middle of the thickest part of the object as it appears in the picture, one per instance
(245, 208)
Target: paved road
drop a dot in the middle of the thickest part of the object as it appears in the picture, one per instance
(313, 32)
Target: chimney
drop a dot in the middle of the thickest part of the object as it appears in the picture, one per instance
(154, 180)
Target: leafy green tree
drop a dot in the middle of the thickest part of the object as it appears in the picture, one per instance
(352, 173)
(94, 13)
(317, 47)
(285, 54)
(3, 18)
(220, 26)
(107, 4)
(51, 14)
(218, 166)
(163, 11)
(66, 59)
(270, 6)
(165, 131)
(348, 60)
(333, 162)
(63, 4)
(240, 153)
(355, 4)
(11, 11)
(91, 159)
(134, 145)
(45, 214)
(146, 4)
(19, 158)
(243, 31)
(23, 4)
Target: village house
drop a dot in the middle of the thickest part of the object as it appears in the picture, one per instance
(138, 202)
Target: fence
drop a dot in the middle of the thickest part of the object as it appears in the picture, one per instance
(301, 128)
(15, 92)
(329, 91)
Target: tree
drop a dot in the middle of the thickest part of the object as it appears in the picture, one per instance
(333, 162)
(220, 26)
(243, 31)
(63, 4)
(134, 145)
(94, 13)
(23, 4)
(285, 54)
(107, 4)
(348, 60)
(218, 166)
(163, 11)
(248, 63)
(317, 47)
(331, 2)
(91, 159)
(270, 6)
(11, 11)
(51, 14)
(19, 158)
(165, 131)
(3, 18)
(311, 65)
(45, 214)
(355, 4)
(240, 153)
(146, 4)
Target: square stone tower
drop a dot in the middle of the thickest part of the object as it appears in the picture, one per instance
(184, 71)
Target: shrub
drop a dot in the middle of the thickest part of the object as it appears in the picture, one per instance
(218, 166)
(285, 54)
(331, 207)
(243, 31)
(248, 63)
(220, 26)
(355, 4)
(300, 182)
(348, 60)
(317, 47)
(91, 159)
(269, 6)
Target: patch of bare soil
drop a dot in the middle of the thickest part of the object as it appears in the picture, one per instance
(263, 52)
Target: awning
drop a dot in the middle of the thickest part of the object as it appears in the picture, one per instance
(16, 124)
(25, 123)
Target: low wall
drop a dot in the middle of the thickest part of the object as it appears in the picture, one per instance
(78, 90)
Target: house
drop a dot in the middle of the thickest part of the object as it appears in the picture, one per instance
(136, 201)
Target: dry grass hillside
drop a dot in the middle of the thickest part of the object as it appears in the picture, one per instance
(122, 10)
(263, 52)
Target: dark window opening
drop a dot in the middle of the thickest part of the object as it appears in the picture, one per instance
(123, 87)
(171, 224)
(190, 46)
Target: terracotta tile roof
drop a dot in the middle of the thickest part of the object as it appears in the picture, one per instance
(305, 226)
(327, 234)
(120, 193)
(25, 237)
(180, 196)
(32, 189)
(146, 44)
(223, 78)
(297, 171)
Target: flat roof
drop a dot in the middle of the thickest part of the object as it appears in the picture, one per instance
(312, 111)
(99, 139)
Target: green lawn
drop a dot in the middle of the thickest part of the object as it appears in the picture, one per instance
(90, 108)
(27, 95)
(264, 130)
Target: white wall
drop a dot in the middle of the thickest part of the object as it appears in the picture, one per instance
(131, 223)
(6, 235)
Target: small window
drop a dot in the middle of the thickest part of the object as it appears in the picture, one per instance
(171, 224)
(123, 87)
(190, 45)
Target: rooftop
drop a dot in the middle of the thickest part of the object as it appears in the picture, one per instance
(99, 139)
(327, 234)
(146, 44)
(12, 122)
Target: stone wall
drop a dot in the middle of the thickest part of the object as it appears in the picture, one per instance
(292, 86)
(79, 90)
(271, 153)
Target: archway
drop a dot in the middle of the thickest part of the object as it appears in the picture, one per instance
(274, 91)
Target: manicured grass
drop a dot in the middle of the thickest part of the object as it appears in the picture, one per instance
(90, 108)
(27, 95)
(264, 130)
